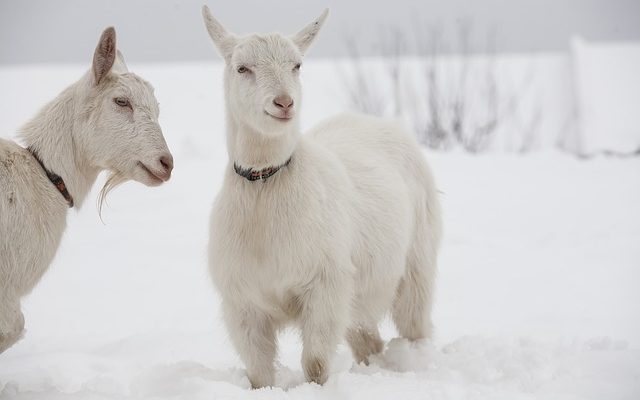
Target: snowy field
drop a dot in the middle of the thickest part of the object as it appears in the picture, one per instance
(537, 296)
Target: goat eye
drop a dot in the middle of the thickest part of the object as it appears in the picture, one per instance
(297, 67)
(121, 101)
(242, 69)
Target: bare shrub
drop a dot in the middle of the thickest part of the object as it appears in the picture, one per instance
(453, 98)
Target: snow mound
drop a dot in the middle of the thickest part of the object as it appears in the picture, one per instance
(469, 367)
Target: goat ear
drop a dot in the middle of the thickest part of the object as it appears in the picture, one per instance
(120, 65)
(224, 41)
(105, 54)
(305, 37)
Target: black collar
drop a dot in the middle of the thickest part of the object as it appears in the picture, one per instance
(262, 174)
(57, 181)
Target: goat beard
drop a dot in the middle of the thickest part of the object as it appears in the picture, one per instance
(114, 180)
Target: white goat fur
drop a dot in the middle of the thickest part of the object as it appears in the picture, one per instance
(77, 135)
(346, 232)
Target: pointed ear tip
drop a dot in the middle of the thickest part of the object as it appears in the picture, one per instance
(205, 11)
(108, 35)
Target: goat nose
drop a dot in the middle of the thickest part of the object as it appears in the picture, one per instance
(166, 160)
(283, 101)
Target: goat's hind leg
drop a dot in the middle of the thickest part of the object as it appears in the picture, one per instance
(11, 323)
(414, 296)
(363, 335)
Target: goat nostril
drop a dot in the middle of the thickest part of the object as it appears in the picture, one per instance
(167, 162)
(283, 101)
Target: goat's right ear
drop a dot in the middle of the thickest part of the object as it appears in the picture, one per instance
(105, 54)
(224, 41)
(120, 66)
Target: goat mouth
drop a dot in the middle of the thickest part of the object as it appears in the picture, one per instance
(154, 178)
(283, 118)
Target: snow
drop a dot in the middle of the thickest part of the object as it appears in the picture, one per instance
(536, 296)
(608, 93)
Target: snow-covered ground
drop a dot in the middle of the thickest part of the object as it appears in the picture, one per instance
(537, 292)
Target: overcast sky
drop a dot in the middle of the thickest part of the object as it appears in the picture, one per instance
(155, 30)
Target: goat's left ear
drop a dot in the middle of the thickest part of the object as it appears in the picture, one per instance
(105, 54)
(305, 37)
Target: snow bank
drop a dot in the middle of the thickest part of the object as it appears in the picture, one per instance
(607, 83)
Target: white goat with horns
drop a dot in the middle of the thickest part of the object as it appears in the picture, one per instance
(329, 230)
(108, 120)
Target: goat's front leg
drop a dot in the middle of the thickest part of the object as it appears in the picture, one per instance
(323, 320)
(11, 323)
(253, 334)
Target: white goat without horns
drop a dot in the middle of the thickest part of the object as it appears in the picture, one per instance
(328, 230)
(108, 120)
